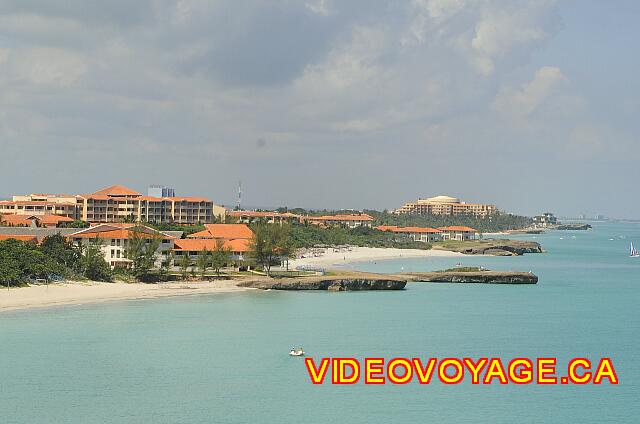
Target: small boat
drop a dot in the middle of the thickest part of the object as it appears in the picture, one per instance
(633, 252)
(296, 352)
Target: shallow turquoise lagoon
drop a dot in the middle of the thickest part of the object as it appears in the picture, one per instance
(223, 358)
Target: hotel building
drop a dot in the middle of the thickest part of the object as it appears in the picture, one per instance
(348, 220)
(113, 240)
(422, 234)
(267, 217)
(116, 204)
(446, 205)
(459, 233)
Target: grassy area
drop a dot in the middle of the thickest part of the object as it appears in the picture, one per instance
(464, 269)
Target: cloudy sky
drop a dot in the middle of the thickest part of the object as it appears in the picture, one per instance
(531, 105)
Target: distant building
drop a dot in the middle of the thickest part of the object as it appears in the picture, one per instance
(344, 220)
(41, 204)
(116, 204)
(160, 191)
(268, 217)
(545, 220)
(422, 234)
(459, 233)
(33, 220)
(446, 205)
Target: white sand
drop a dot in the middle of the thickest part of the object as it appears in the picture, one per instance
(360, 254)
(76, 293)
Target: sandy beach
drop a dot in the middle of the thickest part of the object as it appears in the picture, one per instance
(360, 254)
(77, 293)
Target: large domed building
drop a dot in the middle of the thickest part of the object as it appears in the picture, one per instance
(446, 205)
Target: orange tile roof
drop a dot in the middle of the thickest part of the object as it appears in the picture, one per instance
(116, 190)
(53, 219)
(105, 231)
(397, 229)
(386, 227)
(224, 231)
(19, 237)
(16, 220)
(458, 228)
(350, 217)
(263, 214)
(188, 199)
(198, 245)
(417, 230)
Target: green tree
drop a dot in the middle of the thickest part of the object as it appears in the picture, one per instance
(142, 250)
(203, 261)
(285, 245)
(62, 251)
(94, 266)
(220, 256)
(185, 262)
(263, 247)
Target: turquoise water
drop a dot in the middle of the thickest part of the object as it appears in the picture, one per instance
(223, 358)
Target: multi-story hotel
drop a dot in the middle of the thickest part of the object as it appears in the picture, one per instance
(115, 204)
(343, 220)
(445, 205)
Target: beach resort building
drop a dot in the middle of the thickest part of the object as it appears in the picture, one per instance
(342, 220)
(41, 204)
(116, 204)
(33, 220)
(547, 219)
(236, 238)
(114, 239)
(422, 234)
(459, 233)
(269, 217)
(446, 205)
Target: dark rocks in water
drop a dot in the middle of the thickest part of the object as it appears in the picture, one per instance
(497, 247)
(479, 277)
(338, 283)
(573, 227)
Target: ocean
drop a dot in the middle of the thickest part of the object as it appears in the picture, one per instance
(223, 358)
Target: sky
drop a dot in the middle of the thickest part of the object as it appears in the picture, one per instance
(529, 105)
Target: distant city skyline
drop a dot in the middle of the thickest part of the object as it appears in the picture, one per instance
(531, 106)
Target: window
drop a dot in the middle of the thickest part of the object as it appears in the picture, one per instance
(113, 253)
(113, 242)
(118, 254)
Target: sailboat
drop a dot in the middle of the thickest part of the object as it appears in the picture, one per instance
(633, 251)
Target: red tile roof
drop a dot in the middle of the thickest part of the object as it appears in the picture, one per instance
(458, 228)
(349, 217)
(19, 237)
(198, 245)
(224, 231)
(396, 229)
(116, 190)
(16, 220)
(387, 227)
(188, 199)
(107, 231)
(262, 214)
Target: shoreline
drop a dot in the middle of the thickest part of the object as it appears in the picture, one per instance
(368, 254)
(80, 293)
(72, 293)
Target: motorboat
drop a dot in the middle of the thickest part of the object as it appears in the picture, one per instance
(296, 352)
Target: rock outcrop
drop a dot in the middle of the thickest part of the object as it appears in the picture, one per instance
(572, 227)
(497, 247)
(337, 283)
(479, 277)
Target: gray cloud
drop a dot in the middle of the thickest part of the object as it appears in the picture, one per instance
(316, 103)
